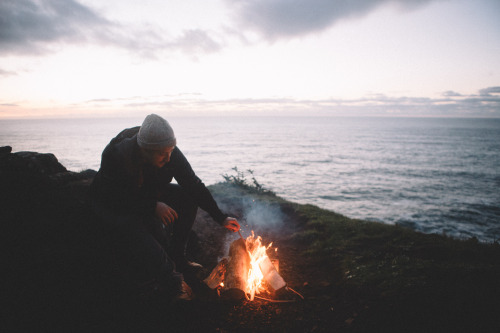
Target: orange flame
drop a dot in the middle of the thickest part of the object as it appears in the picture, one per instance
(257, 254)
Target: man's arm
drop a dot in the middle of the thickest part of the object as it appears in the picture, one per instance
(116, 186)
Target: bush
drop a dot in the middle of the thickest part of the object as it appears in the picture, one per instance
(240, 180)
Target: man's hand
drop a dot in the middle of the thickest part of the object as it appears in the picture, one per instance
(165, 213)
(230, 223)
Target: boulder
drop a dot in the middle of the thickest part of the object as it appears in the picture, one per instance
(28, 162)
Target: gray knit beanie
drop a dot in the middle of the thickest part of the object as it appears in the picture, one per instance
(155, 133)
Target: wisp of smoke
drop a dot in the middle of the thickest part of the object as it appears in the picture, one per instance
(256, 216)
(261, 216)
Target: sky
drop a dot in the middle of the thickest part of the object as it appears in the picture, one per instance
(91, 58)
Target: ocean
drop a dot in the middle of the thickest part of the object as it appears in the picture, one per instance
(434, 175)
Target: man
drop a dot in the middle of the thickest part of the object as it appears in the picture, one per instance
(133, 195)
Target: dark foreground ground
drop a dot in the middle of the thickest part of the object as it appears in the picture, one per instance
(58, 271)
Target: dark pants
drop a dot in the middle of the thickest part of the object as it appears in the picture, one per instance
(141, 244)
(175, 236)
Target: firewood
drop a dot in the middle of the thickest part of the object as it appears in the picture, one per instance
(235, 283)
(217, 275)
(271, 275)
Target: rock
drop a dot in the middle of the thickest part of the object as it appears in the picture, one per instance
(4, 151)
(32, 187)
(23, 175)
(44, 164)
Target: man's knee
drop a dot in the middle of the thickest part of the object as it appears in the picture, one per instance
(177, 198)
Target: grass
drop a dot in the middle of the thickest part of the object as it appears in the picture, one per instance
(394, 259)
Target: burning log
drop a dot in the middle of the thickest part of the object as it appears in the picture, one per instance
(246, 270)
(235, 284)
(216, 278)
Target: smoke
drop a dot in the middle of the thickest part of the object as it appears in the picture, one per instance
(261, 216)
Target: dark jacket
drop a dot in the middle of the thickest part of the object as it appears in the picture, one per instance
(127, 186)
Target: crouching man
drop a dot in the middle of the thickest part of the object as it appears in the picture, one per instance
(149, 217)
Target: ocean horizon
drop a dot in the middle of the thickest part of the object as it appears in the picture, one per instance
(434, 175)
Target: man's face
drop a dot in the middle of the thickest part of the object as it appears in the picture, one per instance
(159, 158)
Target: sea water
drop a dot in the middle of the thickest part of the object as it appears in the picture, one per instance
(434, 175)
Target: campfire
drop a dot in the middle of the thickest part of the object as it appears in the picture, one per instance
(247, 271)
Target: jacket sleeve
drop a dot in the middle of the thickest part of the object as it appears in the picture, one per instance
(185, 177)
(116, 186)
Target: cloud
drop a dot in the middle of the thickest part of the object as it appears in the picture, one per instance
(275, 19)
(32, 27)
(194, 104)
(195, 41)
(28, 27)
(489, 91)
(454, 105)
(7, 73)
(451, 93)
